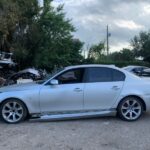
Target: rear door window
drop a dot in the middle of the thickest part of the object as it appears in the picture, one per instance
(103, 74)
(118, 75)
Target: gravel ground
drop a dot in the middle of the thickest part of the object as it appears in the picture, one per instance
(106, 133)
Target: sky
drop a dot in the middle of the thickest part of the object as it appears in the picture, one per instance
(126, 18)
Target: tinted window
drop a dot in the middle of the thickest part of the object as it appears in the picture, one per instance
(102, 74)
(71, 76)
(99, 75)
(137, 70)
(118, 75)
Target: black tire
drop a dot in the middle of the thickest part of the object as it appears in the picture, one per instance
(22, 111)
(136, 110)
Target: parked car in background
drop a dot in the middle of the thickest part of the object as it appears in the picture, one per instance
(145, 74)
(135, 69)
(141, 71)
(76, 92)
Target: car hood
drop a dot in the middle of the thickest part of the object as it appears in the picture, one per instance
(20, 87)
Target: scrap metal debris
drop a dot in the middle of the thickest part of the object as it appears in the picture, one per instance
(26, 75)
(9, 75)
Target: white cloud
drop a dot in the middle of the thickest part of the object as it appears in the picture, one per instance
(90, 17)
(129, 24)
(119, 46)
(73, 3)
(146, 9)
(88, 20)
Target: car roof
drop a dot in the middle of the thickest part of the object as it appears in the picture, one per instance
(133, 66)
(90, 65)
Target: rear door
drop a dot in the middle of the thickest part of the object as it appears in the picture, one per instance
(103, 86)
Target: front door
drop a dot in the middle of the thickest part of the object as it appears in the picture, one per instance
(66, 96)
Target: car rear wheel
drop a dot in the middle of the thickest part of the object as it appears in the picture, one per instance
(130, 109)
(13, 111)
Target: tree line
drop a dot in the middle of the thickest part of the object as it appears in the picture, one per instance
(42, 36)
(38, 36)
(139, 54)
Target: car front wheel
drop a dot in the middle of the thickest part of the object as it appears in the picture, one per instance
(130, 109)
(13, 111)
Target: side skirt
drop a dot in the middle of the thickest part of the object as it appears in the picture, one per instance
(73, 115)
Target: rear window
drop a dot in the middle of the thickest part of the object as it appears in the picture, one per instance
(104, 74)
(118, 75)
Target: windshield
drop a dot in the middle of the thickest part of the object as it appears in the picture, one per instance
(50, 75)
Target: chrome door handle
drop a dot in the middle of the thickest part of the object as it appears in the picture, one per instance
(78, 90)
(115, 87)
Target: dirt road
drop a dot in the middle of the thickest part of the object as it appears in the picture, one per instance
(107, 133)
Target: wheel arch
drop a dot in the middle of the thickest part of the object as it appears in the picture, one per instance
(142, 101)
(18, 100)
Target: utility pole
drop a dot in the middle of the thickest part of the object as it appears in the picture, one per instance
(107, 39)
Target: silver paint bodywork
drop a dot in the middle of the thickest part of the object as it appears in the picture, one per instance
(78, 100)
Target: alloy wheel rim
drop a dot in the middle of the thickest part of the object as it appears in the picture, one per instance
(131, 109)
(12, 112)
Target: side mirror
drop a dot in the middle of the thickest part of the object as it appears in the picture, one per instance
(54, 82)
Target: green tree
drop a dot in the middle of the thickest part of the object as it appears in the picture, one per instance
(17, 17)
(57, 46)
(9, 16)
(97, 51)
(38, 36)
(123, 55)
(141, 45)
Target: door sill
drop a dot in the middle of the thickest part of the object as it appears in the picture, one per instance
(64, 116)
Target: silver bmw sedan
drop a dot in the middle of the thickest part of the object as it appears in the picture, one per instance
(76, 92)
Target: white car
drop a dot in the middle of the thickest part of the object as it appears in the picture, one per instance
(75, 92)
(141, 71)
(137, 70)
